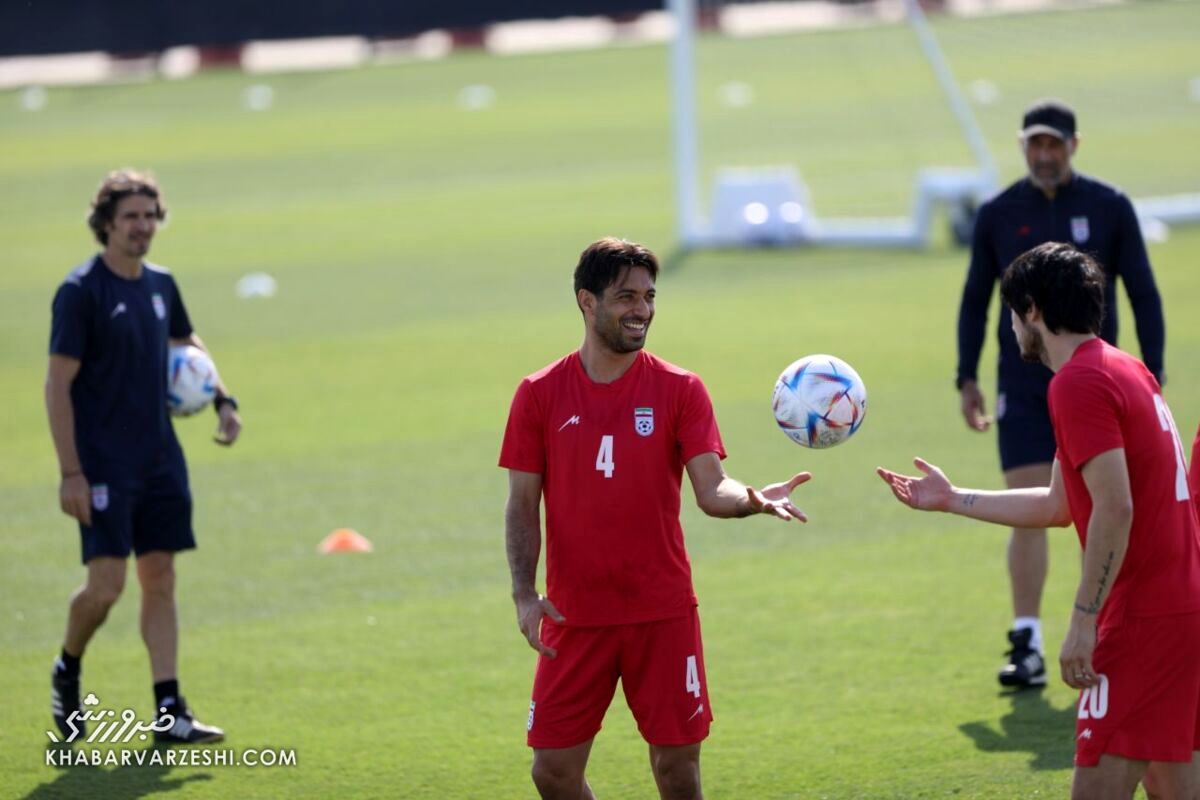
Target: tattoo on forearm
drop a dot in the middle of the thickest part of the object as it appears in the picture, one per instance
(522, 545)
(969, 500)
(1094, 606)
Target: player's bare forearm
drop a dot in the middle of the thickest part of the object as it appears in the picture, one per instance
(1107, 479)
(74, 493)
(1014, 508)
(728, 499)
(1017, 508)
(523, 543)
(1107, 543)
(61, 413)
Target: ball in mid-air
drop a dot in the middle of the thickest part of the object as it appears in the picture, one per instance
(191, 380)
(819, 401)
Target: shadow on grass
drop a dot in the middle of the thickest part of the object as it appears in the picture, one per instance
(124, 782)
(1032, 726)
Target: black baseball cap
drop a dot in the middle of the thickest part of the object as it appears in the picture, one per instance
(1049, 116)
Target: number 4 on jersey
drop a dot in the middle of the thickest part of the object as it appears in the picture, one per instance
(1168, 426)
(604, 458)
(691, 680)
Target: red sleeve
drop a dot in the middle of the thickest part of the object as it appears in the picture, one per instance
(697, 430)
(1087, 416)
(523, 448)
(1194, 474)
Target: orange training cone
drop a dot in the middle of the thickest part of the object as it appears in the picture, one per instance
(345, 540)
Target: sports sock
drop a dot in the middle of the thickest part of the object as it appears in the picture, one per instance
(68, 664)
(1034, 624)
(166, 693)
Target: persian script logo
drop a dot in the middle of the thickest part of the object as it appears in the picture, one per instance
(111, 726)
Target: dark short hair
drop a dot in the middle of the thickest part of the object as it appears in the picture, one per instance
(115, 187)
(604, 260)
(1066, 285)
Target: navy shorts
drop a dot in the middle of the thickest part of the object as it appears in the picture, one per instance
(139, 515)
(1023, 419)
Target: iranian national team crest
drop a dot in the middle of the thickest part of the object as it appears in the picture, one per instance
(643, 421)
(160, 308)
(1079, 229)
(100, 496)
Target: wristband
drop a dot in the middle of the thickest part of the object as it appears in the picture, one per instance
(224, 400)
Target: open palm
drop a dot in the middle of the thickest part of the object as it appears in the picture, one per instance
(776, 498)
(933, 492)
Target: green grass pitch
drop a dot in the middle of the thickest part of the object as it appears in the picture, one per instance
(423, 255)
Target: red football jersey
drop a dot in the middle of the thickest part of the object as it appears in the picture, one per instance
(1102, 399)
(611, 456)
(1195, 473)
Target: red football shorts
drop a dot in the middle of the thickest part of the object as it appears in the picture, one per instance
(1147, 705)
(661, 668)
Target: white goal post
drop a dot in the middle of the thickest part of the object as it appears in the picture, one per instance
(772, 205)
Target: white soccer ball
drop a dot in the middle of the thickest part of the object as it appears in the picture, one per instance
(191, 380)
(819, 401)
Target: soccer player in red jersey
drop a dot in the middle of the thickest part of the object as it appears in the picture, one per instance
(1133, 644)
(603, 436)
(1194, 475)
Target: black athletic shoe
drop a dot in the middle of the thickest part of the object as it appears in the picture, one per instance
(64, 699)
(186, 729)
(1025, 667)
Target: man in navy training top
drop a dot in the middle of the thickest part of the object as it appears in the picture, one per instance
(123, 473)
(1052, 204)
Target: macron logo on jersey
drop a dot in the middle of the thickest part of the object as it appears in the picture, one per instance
(120, 309)
(572, 421)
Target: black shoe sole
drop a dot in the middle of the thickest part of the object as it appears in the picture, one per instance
(1017, 683)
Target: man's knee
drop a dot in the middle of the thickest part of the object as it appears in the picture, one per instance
(677, 772)
(105, 582)
(156, 573)
(1114, 777)
(1172, 781)
(556, 777)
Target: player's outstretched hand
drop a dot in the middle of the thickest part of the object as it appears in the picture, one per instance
(973, 407)
(776, 498)
(229, 425)
(931, 493)
(530, 610)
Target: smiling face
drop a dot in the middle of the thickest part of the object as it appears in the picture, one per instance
(132, 228)
(621, 315)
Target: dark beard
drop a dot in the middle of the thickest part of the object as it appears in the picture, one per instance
(1035, 354)
(615, 341)
(613, 335)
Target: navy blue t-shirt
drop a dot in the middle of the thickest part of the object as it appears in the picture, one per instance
(1099, 220)
(118, 329)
